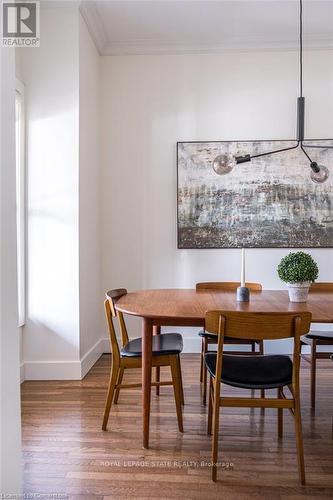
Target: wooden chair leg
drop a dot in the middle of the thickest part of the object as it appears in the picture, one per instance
(119, 381)
(261, 352)
(181, 380)
(280, 415)
(210, 408)
(299, 439)
(313, 366)
(216, 415)
(177, 390)
(109, 397)
(157, 379)
(204, 374)
(261, 347)
(201, 361)
(157, 331)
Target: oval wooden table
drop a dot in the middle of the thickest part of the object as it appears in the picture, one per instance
(180, 307)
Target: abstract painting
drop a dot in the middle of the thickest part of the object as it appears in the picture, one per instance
(268, 202)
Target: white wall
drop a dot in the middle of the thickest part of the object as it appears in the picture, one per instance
(62, 335)
(89, 233)
(10, 417)
(19, 77)
(91, 296)
(148, 103)
(51, 77)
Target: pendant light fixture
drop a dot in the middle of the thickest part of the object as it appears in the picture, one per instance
(223, 164)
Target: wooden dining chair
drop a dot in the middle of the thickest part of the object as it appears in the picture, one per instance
(166, 349)
(255, 372)
(314, 339)
(209, 339)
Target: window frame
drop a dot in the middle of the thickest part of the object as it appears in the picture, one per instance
(20, 144)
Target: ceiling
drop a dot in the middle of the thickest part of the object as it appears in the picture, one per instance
(186, 26)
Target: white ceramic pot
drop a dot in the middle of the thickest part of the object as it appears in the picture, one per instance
(298, 292)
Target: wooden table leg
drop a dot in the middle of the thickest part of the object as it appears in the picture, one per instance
(157, 331)
(147, 331)
(313, 373)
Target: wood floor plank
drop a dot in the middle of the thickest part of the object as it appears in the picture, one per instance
(66, 452)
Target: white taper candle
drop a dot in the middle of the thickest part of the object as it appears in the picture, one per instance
(243, 268)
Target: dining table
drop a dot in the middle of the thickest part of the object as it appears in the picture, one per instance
(187, 307)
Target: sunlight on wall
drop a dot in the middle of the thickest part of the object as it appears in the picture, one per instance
(53, 224)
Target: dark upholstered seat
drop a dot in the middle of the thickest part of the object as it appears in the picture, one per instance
(166, 343)
(206, 335)
(322, 335)
(253, 372)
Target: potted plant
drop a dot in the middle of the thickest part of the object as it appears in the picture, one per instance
(298, 270)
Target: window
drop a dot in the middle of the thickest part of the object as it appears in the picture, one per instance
(20, 199)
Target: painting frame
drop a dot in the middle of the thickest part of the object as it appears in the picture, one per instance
(181, 246)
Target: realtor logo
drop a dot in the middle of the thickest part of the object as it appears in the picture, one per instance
(20, 24)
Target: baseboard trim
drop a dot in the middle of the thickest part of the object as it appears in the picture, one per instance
(77, 370)
(52, 370)
(62, 370)
(105, 344)
(22, 372)
(91, 357)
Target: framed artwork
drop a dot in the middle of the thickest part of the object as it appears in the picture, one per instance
(269, 202)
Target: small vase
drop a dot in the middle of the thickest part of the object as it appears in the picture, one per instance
(298, 292)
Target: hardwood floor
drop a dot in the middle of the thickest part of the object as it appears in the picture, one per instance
(67, 453)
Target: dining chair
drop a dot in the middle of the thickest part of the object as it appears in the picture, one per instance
(314, 339)
(256, 372)
(209, 339)
(166, 349)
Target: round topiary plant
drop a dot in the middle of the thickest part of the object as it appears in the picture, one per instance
(298, 267)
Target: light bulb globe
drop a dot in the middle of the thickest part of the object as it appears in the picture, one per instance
(320, 176)
(223, 164)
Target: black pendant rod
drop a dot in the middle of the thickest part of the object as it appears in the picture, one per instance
(246, 158)
(301, 99)
(301, 48)
(300, 109)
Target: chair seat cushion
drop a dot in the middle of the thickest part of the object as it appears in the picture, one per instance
(166, 343)
(319, 335)
(253, 372)
(207, 335)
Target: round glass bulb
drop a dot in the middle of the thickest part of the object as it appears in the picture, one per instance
(223, 164)
(320, 176)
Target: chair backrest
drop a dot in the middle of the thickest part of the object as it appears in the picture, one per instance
(258, 326)
(227, 286)
(112, 333)
(321, 287)
(113, 296)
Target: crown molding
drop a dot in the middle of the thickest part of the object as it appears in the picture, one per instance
(96, 29)
(150, 47)
(94, 24)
